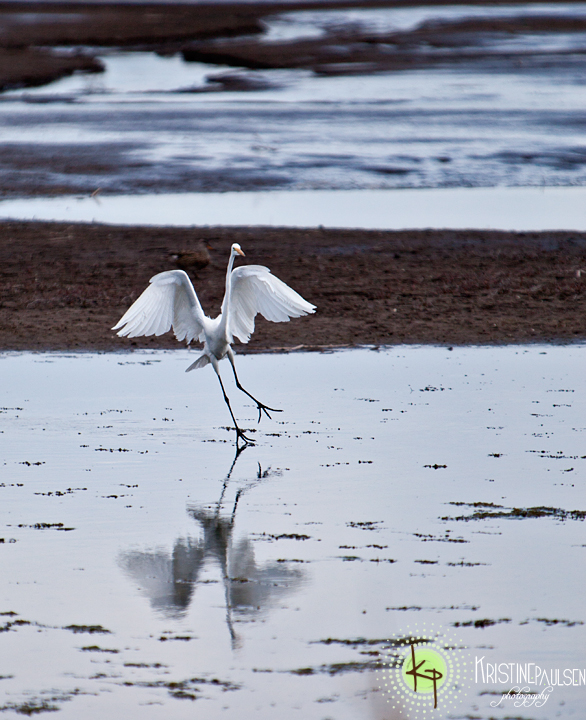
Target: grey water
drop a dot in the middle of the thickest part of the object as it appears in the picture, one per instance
(519, 209)
(147, 575)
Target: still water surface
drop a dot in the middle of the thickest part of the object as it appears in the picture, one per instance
(520, 209)
(350, 519)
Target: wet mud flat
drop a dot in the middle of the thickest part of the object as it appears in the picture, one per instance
(209, 33)
(44, 41)
(178, 98)
(348, 50)
(72, 27)
(63, 286)
(149, 573)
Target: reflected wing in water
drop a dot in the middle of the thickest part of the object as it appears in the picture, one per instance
(249, 587)
(166, 579)
(254, 588)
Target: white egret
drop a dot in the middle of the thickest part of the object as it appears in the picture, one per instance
(171, 302)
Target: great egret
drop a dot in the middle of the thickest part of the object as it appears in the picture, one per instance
(171, 302)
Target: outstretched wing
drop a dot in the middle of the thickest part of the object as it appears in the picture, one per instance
(255, 290)
(168, 302)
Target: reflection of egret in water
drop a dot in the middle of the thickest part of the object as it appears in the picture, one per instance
(169, 579)
(166, 578)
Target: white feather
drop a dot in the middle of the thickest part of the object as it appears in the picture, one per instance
(255, 290)
(168, 302)
(201, 362)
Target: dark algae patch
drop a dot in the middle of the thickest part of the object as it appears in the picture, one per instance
(14, 624)
(282, 536)
(435, 538)
(339, 668)
(551, 622)
(354, 642)
(490, 511)
(484, 623)
(38, 705)
(87, 629)
(365, 646)
(31, 707)
(367, 525)
(405, 608)
(190, 689)
(47, 526)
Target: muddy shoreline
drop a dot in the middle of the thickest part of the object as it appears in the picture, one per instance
(43, 42)
(63, 286)
(147, 116)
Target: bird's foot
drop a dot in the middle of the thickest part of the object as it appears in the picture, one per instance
(262, 408)
(241, 436)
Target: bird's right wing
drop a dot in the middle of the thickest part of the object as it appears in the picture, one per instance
(255, 290)
(168, 302)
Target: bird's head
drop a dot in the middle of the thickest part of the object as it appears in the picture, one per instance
(237, 250)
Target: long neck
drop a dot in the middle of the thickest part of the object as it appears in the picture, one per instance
(228, 292)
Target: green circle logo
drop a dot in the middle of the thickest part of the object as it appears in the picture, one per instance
(424, 670)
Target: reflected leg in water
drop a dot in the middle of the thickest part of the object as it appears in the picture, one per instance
(249, 588)
(169, 579)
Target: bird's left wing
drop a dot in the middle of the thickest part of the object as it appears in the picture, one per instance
(255, 290)
(168, 302)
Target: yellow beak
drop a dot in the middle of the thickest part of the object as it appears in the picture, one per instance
(240, 252)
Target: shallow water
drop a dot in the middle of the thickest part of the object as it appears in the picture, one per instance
(519, 209)
(342, 524)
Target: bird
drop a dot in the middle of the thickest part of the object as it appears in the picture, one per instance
(193, 260)
(170, 302)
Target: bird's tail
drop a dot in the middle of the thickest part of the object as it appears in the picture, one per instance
(201, 361)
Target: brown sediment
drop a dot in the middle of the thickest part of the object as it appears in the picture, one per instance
(29, 67)
(114, 24)
(29, 34)
(347, 50)
(197, 31)
(63, 286)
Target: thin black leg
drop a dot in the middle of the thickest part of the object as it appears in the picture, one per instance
(239, 434)
(261, 407)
